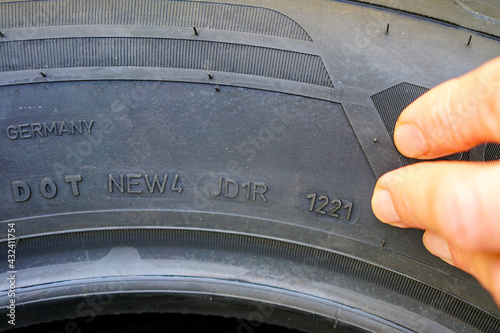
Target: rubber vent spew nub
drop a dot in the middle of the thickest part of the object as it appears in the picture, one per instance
(391, 102)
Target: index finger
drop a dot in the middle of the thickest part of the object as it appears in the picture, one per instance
(459, 201)
(453, 117)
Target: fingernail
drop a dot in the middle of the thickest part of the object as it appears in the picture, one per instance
(383, 207)
(410, 141)
(438, 246)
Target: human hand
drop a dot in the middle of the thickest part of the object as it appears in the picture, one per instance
(457, 203)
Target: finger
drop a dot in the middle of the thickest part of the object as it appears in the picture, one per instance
(439, 246)
(460, 201)
(453, 117)
(485, 267)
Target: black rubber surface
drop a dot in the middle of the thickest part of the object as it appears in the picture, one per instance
(171, 152)
(480, 15)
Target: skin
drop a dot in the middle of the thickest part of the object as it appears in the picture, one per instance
(456, 203)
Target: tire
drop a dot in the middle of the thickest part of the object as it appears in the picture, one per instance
(179, 161)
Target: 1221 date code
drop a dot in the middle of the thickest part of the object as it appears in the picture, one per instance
(333, 208)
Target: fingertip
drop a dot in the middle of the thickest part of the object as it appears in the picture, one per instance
(438, 246)
(410, 141)
(383, 207)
